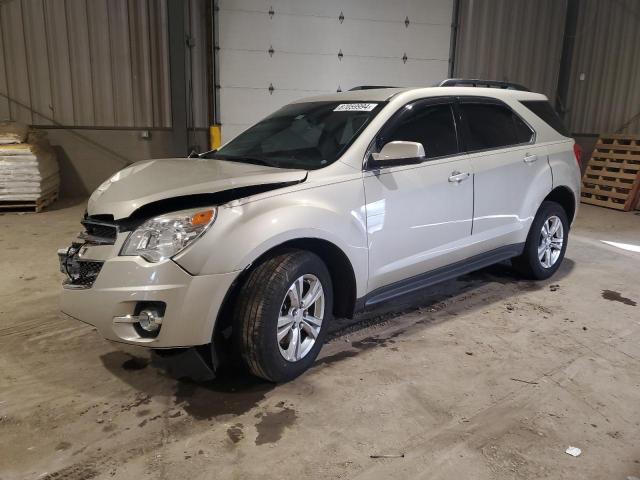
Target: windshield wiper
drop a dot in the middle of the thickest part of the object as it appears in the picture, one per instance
(208, 154)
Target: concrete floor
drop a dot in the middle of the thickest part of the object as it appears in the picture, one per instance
(488, 377)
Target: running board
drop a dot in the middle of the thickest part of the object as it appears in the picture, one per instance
(442, 274)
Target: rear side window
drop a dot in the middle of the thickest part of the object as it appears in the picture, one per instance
(543, 109)
(431, 125)
(493, 126)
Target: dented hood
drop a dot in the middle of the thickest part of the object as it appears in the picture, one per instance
(150, 181)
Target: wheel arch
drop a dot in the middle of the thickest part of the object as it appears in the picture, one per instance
(340, 269)
(566, 199)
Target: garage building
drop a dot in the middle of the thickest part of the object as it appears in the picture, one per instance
(487, 374)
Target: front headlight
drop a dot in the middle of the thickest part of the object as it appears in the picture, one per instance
(164, 236)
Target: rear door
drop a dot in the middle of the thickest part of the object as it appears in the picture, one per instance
(419, 216)
(510, 172)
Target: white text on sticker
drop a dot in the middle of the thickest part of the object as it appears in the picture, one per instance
(355, 107)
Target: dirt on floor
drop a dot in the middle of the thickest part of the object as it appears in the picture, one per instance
(485, 377)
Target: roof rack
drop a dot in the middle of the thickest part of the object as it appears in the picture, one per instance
(475, 82)
(369, 87)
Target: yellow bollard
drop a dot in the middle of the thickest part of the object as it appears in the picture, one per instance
(215, 136)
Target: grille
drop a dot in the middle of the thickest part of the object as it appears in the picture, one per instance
(99, 232)
(82, 273)
(87, 273)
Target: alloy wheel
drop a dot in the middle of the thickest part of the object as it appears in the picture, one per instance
(551, 242)
(300, 319)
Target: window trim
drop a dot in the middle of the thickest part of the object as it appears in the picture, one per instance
(450, 100)
(490, 101)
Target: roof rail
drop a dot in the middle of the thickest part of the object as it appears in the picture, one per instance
(369, 87)
(475, 82)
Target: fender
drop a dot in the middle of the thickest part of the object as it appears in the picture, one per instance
(565, 171)
(246, 231)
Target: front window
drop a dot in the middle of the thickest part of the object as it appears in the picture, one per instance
(431, 124)
(301, 135)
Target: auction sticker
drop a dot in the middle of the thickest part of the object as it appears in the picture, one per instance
(355, 107)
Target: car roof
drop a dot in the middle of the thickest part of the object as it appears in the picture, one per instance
(384, 94)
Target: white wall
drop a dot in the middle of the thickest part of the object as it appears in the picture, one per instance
(306, 37)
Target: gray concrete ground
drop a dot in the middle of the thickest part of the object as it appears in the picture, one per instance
(486, 377)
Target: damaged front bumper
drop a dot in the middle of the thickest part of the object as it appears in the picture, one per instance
(102, 288)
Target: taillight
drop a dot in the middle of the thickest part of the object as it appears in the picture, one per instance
(577, 151)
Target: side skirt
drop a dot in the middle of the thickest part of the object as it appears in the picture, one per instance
(448, 272)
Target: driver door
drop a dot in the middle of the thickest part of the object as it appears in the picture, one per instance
(419, 217)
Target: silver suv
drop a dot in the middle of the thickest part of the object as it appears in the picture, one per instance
(329, 206)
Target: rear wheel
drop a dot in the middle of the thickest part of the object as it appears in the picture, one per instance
(281, 316)
(546, 243)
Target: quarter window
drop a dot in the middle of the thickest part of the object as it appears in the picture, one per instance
(493, 126)
(431, 125)
(542, 109)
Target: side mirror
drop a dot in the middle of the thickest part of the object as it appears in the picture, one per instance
(397, 153)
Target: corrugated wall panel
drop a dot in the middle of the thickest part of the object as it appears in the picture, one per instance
(141, 62)
(62, 94)
(37, 60)
(121, 62)
(87, 63)
(159, 52)
(101, 71)
(80, 61)
(511, 40)
(5, 114)
(15, 60)
(604, 88)
(197, 64)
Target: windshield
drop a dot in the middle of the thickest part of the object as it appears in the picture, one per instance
(301, 135)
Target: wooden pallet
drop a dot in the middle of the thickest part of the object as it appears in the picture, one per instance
(612, 177)
(29, 206)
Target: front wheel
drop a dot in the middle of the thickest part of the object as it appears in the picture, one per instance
(281, 316)
(546, 243)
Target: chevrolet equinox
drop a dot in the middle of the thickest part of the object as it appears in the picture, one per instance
(325, 208)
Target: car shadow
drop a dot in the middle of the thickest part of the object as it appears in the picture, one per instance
(432, 298)
(234, 391)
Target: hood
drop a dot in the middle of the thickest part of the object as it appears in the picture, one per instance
(153, 180)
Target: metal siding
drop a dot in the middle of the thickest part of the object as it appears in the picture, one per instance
(101, 71)
(141, 62)
(62, 94)
(606, 52)
(86, 63)
(511, 40)
(159, 53)
(5, 113)
(197, 66)
(15, 60)
(37, 64)
(121, 62)
(80, 62)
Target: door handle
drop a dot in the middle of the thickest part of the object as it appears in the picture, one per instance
(528, 158)
(457, 177)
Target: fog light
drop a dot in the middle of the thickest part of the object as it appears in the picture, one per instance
(149, 320)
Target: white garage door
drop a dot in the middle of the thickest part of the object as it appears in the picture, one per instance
(276, 51)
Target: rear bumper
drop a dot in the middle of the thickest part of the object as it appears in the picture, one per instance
(192, 302)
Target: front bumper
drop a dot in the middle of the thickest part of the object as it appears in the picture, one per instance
(192, 302)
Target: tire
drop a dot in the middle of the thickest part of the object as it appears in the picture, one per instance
(530, 264)
(266, 303)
